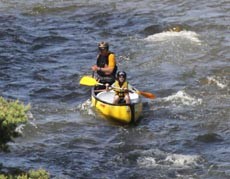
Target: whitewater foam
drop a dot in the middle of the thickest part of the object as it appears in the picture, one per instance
(182, 160)
(181, 97)
(151, 159)
(86, 107)
(213, 79)
(163, 36)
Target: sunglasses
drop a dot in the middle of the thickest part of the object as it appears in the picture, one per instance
(102, 49)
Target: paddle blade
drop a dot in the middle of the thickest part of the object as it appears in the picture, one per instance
(88, 81)
(147, 94)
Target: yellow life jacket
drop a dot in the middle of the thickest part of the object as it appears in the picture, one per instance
(120, 92)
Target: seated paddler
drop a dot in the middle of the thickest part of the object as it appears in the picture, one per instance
(121, 88)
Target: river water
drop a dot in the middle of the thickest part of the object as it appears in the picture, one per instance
(46, 46)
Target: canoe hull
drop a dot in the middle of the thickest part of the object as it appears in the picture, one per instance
(125, 113)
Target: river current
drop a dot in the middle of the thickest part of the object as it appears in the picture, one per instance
(46, 46)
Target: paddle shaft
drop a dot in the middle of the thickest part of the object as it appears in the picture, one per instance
(90, 81)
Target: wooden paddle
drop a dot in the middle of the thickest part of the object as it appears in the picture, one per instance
(143, 93)
(90, 81)
(146, 94)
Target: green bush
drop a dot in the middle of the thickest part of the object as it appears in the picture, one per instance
(38, 174)
(12, 113)
(32, 174)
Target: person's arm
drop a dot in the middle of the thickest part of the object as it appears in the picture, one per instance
(112, 86)
(108, 69)
(95, 68)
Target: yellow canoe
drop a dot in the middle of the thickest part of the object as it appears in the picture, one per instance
(125, 113)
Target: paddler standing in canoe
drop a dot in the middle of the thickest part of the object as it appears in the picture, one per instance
(105, 65)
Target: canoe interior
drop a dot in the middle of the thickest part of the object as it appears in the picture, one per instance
(108, 97)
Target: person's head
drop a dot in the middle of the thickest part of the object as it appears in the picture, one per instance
(103, 47)
(121, 76)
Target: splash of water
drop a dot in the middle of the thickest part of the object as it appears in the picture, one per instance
(86, 108)
(212, 79)
(164, 36)
(20, 128)
(181, 97)
(159, 158)
(182, 160)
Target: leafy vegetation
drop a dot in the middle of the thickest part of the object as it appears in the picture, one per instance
(12, 113)
(32, 174)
